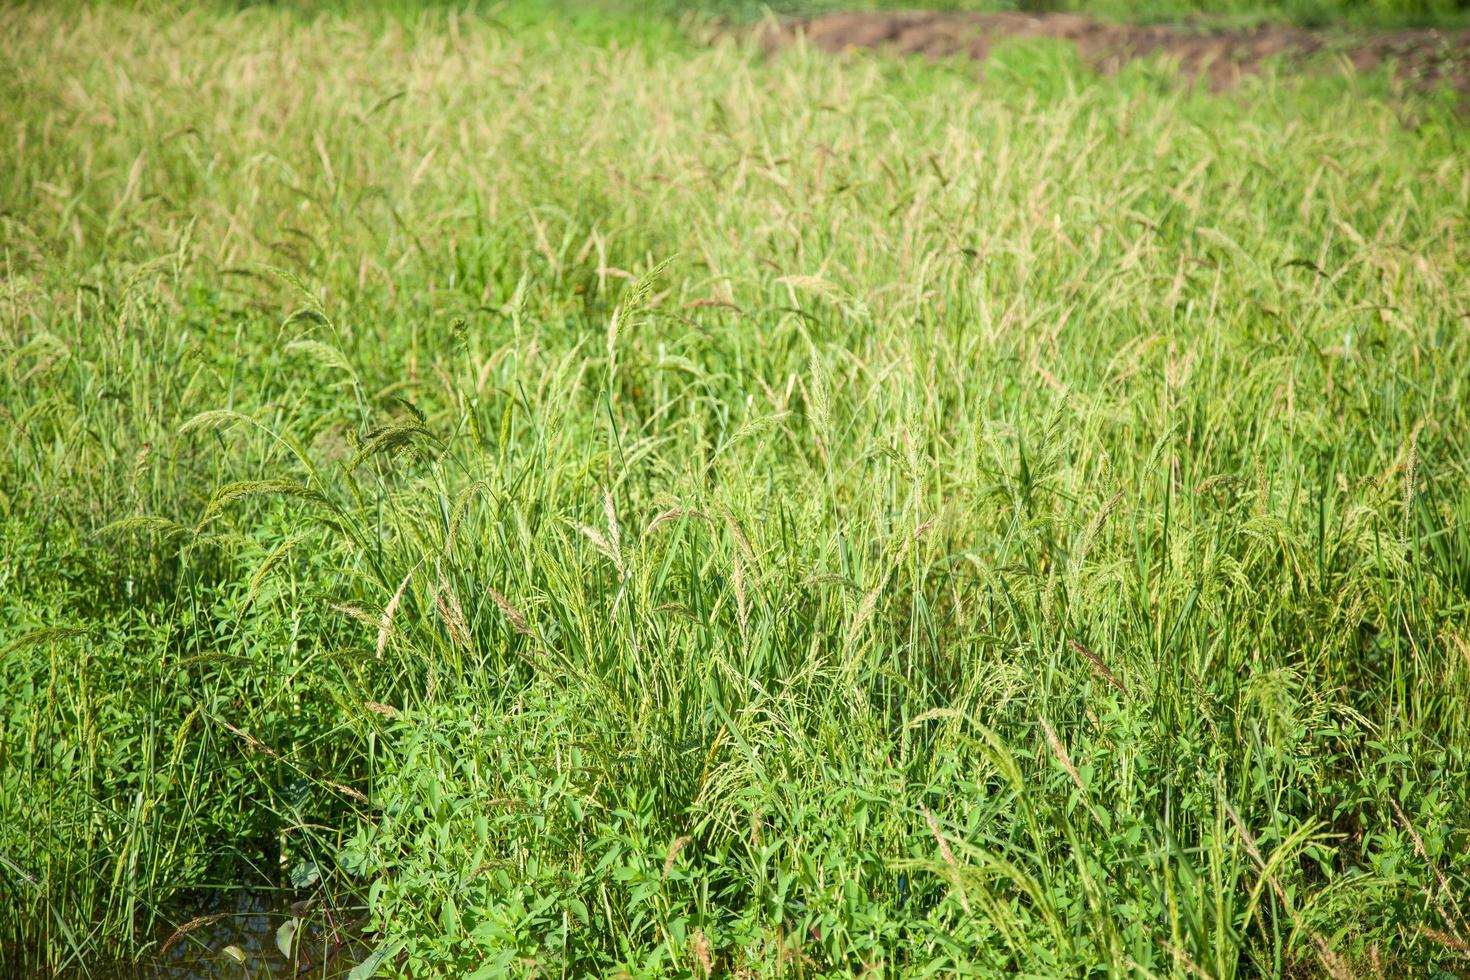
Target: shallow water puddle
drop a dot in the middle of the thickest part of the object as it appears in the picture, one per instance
(252, 933)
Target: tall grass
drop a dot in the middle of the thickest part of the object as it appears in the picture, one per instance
(604, 503)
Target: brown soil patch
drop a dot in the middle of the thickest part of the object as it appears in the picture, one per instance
(1424, 59)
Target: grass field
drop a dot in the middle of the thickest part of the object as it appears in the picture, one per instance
(583, 499)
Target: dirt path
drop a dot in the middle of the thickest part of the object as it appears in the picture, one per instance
(1424, 59)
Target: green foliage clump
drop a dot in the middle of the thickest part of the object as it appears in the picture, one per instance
(597, 503)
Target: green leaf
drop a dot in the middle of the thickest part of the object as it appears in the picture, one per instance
(353, 862)
(305, 874)
(286, 937)
(375, 960)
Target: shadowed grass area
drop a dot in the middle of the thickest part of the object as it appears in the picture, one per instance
(601, 502)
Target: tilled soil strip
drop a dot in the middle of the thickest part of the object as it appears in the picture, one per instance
(1425, 59)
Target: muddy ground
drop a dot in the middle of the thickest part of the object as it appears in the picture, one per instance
(1423, 59)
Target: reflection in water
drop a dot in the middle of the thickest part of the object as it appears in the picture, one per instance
(251, 933)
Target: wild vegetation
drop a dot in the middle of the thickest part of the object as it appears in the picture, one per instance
(591, 498)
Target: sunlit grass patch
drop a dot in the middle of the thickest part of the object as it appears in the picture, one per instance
(575, 499)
